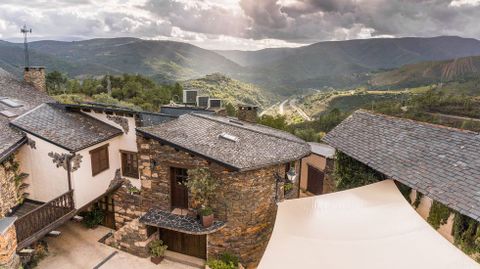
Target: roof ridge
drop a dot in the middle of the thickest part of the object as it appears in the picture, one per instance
(63, 108)
(208, 117)
(27, 113)
(439, 126)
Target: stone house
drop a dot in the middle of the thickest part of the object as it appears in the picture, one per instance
(440, 164)
(57, 160)
(246, 159)
(316, 176)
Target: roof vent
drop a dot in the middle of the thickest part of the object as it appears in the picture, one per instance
(190, 97)
(202, 101)
(10, 103)
(228, 137)
(215, 103)
(8, 114)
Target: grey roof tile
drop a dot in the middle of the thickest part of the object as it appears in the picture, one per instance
(21, 93)
(257, 145)
(68, 129)
(441, 162)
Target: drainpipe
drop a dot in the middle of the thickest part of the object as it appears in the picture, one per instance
(69, 169)
(299, 178)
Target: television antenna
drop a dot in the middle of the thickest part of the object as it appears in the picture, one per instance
(25, 31)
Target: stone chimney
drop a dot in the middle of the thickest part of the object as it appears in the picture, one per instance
(247, 112)
(35, 76)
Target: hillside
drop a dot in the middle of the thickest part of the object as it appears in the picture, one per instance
(230, 90)
(346, 63)
(163, 60)
(460, 69)
(283, 71)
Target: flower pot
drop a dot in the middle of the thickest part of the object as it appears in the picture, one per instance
(207, 221)
(156, 260)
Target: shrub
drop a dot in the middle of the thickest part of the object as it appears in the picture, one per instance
(218, 264)
(225, 260)
(287, 187)
(93, 218)
(157, 248)
(201, 185)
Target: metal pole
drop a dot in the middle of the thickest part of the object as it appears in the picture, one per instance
(25, 32)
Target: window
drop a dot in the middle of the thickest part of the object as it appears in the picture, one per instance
(99, 158)
(129, 164)
(179, 192)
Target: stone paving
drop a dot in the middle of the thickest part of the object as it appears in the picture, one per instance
(78, 248)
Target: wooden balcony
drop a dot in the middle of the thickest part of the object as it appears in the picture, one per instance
(43, 219)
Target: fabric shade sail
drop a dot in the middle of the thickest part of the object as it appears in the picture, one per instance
(368, 227)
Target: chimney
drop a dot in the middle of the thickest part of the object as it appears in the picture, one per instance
(247, 113)
(35, 76)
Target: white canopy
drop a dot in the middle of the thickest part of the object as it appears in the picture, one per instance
(368, 227)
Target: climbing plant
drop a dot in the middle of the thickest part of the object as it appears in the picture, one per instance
(418, 199)
(405, 190)
(438, 215)
(466, 233)
(350, 173)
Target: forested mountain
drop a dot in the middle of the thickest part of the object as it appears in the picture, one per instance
(281, 70)
(345, 63)
(163, 60)
(433, 72)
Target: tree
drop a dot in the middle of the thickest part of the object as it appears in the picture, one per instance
(56, 83)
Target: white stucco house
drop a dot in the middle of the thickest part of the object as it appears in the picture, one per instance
(59, 158)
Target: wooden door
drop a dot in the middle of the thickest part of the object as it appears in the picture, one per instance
(106, 204)
(192, 245)
(179, 191)
(315, 180)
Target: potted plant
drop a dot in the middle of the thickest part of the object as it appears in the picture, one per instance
(157, 250)
(206, 214)
(202, 188)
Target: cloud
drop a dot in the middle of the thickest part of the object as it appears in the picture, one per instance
(240, 24)
(459, 3)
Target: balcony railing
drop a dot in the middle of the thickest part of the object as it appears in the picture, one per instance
(43, 219)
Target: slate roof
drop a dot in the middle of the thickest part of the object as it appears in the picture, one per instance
(322, 150)
(70, 130)
(145, 118)
(23, 94)
(181, 110)
(256, 146)
(440, 162)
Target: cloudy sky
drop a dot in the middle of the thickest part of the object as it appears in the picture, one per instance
(239, 24)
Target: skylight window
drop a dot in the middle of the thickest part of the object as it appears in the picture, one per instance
(228, 137)
(8, 114)
(10, 103)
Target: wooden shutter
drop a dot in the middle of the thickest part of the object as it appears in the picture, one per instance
(99, 159)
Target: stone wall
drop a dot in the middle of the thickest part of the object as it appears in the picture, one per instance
(247, 113)
(8, 187)
(329, 179)
(134, 238)
(35, 76)
(244, 200)
(8, 246)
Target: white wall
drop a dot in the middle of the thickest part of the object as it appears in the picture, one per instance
(87, 187)
(45, 179)
(127, 142)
